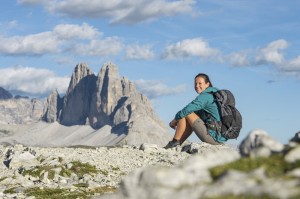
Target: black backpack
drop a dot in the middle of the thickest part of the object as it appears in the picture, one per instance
(231, 118)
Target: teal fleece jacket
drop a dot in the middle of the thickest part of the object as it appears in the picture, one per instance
(204, 102)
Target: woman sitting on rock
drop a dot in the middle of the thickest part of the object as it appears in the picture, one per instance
(200, 116)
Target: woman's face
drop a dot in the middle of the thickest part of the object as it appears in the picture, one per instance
(200, 84)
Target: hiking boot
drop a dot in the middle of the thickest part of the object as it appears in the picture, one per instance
(172, 144)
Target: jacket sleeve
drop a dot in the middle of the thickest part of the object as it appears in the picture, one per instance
(195, 105)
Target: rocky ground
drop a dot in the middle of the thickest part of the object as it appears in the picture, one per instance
(260, 168)
(101, 167)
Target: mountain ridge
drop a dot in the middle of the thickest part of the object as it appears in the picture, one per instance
(105, 101)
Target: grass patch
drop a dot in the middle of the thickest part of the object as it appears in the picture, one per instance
(37, 171)
(104, 189)
(80, 168)
(48, 193)
(104, 172)
(115, 168)
(10, 191)
(79, 185)
(274, 166)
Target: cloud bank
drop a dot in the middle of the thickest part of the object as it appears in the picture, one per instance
(32, 80)
(117, 11)
(154, 88)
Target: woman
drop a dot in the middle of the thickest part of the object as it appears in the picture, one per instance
(201, 115)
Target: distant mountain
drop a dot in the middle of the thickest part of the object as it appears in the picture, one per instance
(4, 94)
(110, 105)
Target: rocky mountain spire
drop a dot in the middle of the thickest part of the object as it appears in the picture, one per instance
(77, 100)
(108, 93)
(81, 70)
(110, 102)
(52, 107)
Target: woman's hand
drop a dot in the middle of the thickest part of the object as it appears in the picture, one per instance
(173, 124)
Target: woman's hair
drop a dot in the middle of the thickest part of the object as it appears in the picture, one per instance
(205, 77)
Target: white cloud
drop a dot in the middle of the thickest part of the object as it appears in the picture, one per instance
(189, 47)
(154, 88)
(104, 47)
(238, 59)
(70, 31)
(131, 11)
(32, 2)
(139, 52)
(295, 63)
(272, 53)
(151, 10)
(46, 42)
(32, 80)
(35, 44)
(292, 65)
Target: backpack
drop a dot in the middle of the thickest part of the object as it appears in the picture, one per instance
(231, 118)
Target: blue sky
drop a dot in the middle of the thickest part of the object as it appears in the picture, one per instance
(249, 47)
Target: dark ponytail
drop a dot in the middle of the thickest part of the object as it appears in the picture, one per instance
(205, 77)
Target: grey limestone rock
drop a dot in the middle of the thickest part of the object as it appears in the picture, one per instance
(107, 99)
(259, 143)
(78, 96)
(20, 111)
(52, 107)
(4, 94)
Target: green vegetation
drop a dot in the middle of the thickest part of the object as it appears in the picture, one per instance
(78, 168)
(81, 185)
(37, 171)
(103, 172)
(274, 166)
(10, 191)
(48, 193)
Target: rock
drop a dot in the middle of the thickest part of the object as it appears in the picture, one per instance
(259, 143)
(20, 111)
(52, 108)
(20, 159)
(147, 172)
(108, 96)
(293, 155)
(95, 111)
(165, 182)
(77, 100)
(296, 138)
(108, 100)
(4, 94)
(148, 147)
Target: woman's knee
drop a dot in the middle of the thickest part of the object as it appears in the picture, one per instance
(191, 118)
(201, 131)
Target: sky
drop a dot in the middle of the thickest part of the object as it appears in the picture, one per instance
(248, 47)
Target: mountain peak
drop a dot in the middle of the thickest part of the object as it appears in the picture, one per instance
(80, 71)
(96, 110)
(4, 94)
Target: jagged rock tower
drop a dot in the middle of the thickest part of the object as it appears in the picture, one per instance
(106, 100)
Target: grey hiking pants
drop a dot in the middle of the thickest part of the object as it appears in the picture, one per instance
(201, 131)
